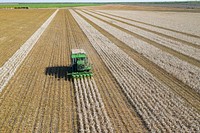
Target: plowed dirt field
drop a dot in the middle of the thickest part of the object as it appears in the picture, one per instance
(146, 77)
(16, 27)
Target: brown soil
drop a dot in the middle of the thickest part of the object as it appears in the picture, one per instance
(39, 98)
(16, 27)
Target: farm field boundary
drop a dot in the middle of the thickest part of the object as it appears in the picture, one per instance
(139, 7)
(47, 5)
(10, 67)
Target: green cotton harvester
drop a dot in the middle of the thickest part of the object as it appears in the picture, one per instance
(80, 67)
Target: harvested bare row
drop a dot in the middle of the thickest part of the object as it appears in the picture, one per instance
(147, 95)
(180, 36)
(182, 70)
(177, 46)
(10, 67)
(38, 98)
(91, 112)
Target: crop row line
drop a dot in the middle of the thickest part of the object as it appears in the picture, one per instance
(90, 108)
(175, 84)
(122, 119)
(182, 70)
(158, 43)
(10, 67)
(143, 91)
(186, 40)
(192, 52)
(25, 92)
(171, 31)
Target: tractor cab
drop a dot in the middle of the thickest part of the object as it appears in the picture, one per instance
(80, 67)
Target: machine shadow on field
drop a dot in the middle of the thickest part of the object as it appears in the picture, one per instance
(59, 72)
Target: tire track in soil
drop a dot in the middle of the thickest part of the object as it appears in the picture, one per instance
(72, 92)
(45, 121)
(152, 31)
(46, 81)
(53, 94)
(51, 120)
(179, 55)
(187, 93)
(57, 71)
(187, 34)
(123, 118)
(61, 113)
(40, 83)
